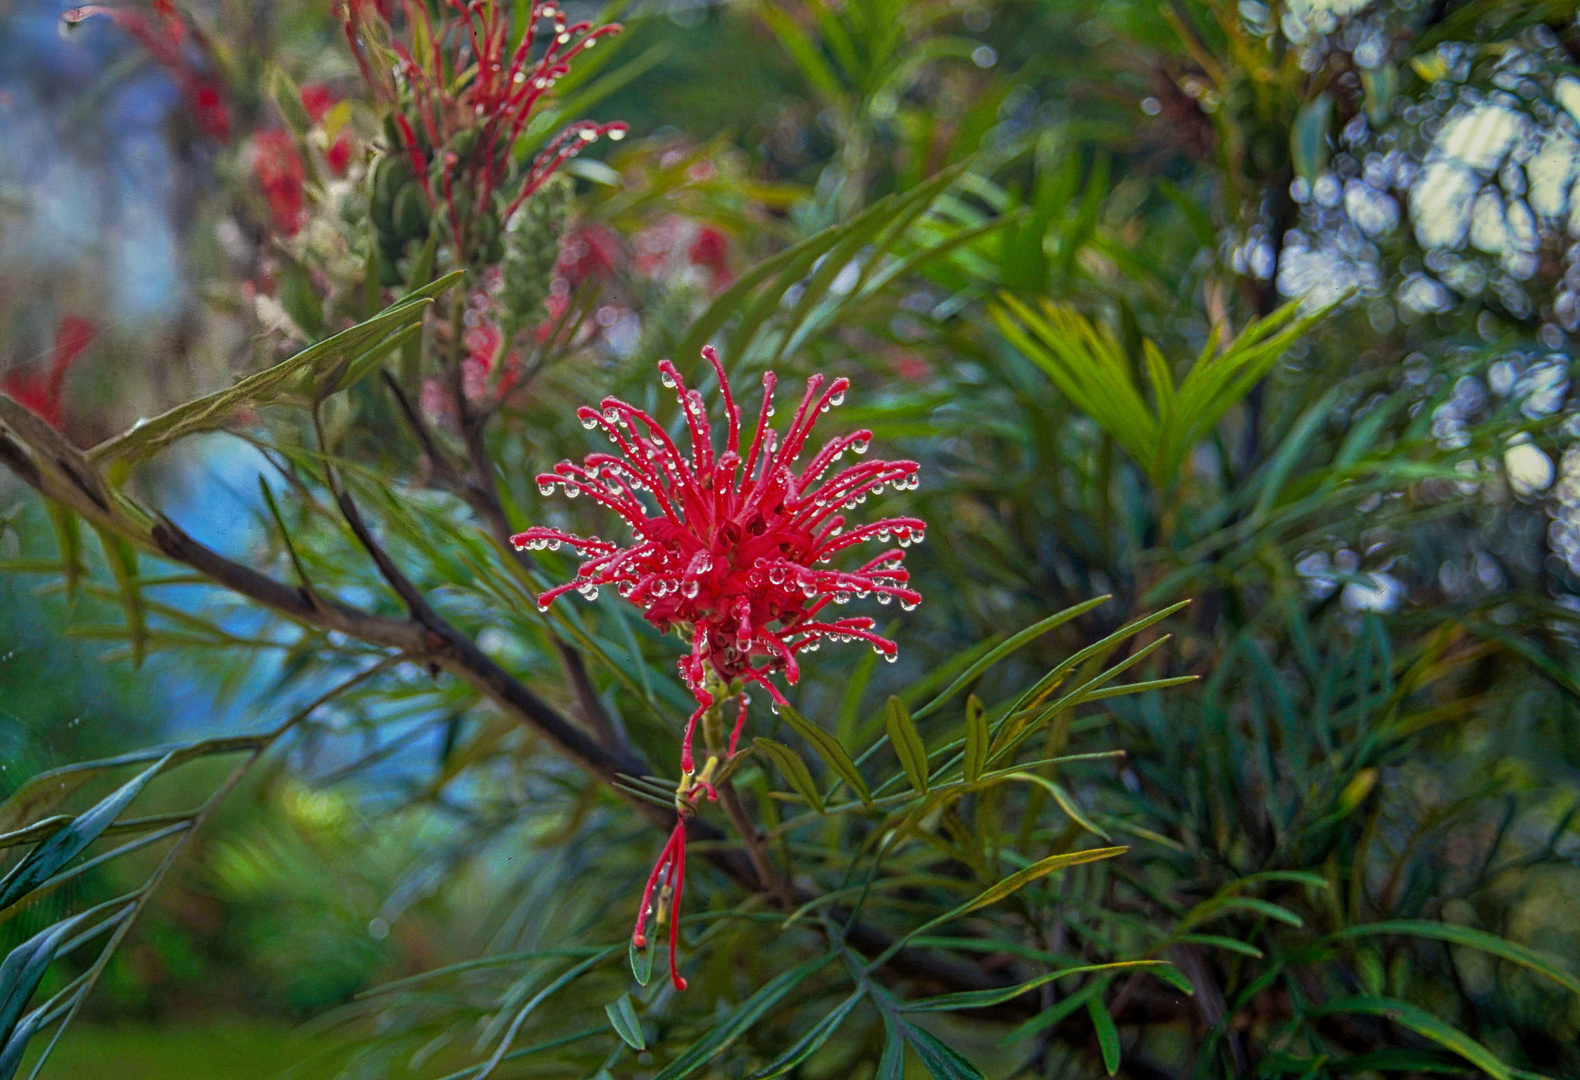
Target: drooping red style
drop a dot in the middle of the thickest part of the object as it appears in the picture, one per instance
(733, 549)
(43, 394)
(166, 43)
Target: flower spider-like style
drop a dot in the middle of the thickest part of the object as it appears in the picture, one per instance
(733, 550)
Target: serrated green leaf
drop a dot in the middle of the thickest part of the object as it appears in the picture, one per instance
(793, 769)
(627, 1025)
(907, 743)
(1107, 1033)
(829, 750)
(978, 738)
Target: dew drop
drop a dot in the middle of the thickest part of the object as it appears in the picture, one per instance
(545, 489)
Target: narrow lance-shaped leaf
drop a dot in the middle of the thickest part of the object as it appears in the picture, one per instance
(1425, 1024)
(1107, 1033)
(627, 1025)
(741, 1020)
(829, 750)
(65, 845)
(907, 743)
(978, 738)
(812, 1041)
(793, 769)
(943, 1061)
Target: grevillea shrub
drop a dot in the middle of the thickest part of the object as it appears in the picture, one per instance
(1236, 736)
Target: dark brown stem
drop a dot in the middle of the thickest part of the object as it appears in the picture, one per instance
(756, 851)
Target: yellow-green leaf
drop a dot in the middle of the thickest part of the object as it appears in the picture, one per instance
(977, 739)
(907, 741)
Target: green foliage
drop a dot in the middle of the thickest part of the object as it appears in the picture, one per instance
(1236, 735)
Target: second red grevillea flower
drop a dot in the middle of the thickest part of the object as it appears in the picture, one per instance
(734, 549)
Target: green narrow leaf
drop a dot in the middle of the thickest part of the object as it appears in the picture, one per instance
(214, 410)
(1470, 939)
(812, 1041)
(642, 961)
(1210, 909)
(627, 1025)
(1051, 1016)
(907, 743)
(68, 534)
(891, 1066)
(981, 999)
(1040, 869)
(1063, 798)
(1107, 1033)
(942, 1060)
(24, 969)
(1426, 1025)
(43, 861)
(978, 738)
(740, 1021)
(1025, 637)
(829, 750)
(1219, 942)
(122, 558)
(793, 769)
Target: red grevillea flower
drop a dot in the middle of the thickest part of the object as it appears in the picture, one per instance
(733, 549)
(280, 173)
(496, 97)
(44, 394)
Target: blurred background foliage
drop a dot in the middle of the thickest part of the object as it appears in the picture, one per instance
(1270, 307)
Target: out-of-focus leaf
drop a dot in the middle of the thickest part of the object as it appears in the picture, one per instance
(741, 1020)
(1308, 137)
(122, 558)
(812, 1041)
(627, 1025)
(1423, 1023)
(1470, 938)
(1107, 1033)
